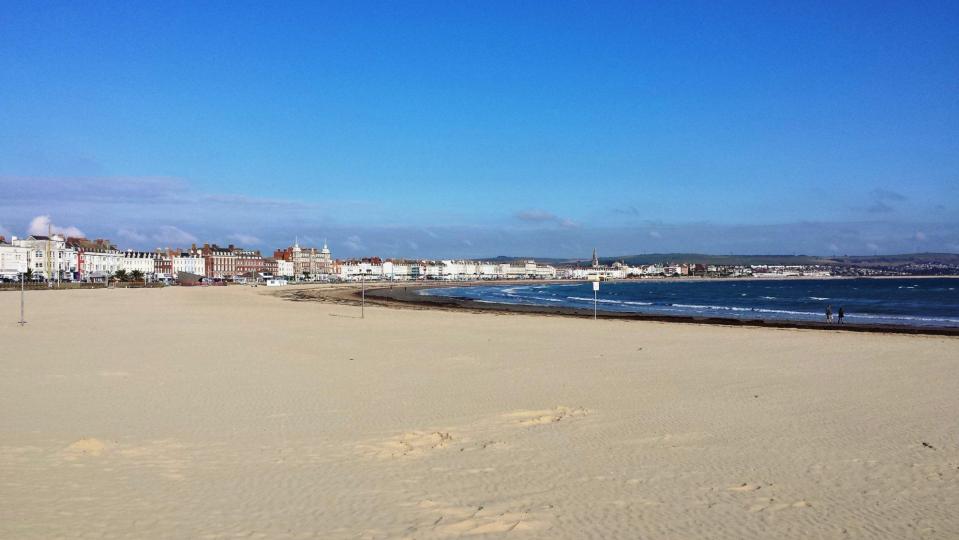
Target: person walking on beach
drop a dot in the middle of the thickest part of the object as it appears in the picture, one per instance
(829, 313)
(842, 314)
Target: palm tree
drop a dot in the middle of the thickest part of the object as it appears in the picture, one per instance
(137, 275)
(120, 275)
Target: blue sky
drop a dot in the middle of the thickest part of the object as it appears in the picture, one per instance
(479, 129)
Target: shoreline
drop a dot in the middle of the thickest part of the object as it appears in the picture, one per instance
(407, 297)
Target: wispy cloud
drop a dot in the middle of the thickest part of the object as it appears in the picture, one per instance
(879, 207)
(132, 235)
(169, 235)
(246, 201)
(888, 195)
(884, 201)
(354, 243)
(248, 239)
(626, 210)
(118, 189)
(164, 236)
(544, 217)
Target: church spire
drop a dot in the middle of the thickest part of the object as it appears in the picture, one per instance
(595, 259)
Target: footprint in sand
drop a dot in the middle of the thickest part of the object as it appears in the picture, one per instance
(772, 505)
(452, 520)
(87, 446)
(413, 443)
(483, 435)
(744, 487)
(544, 416)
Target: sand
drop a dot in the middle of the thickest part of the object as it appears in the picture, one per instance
(230, 412)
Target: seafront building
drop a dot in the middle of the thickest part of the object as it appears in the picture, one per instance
(55, 258)
(49, 257)
(96, 260)
(249, 262)
(143, 262)
(13, 260)
(307, 262)
(189, 262)
(220, 262)
(403, 270)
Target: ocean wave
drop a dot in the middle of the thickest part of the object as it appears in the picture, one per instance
(819, 298)
(745, 309)
(901, 318)
(608, 301)
(545, 299)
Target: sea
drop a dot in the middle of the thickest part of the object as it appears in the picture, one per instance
(898, 301)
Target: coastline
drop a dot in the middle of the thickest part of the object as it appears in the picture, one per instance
(406, 297)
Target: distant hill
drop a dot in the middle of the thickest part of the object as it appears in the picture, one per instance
(855, 260)
(701, 258)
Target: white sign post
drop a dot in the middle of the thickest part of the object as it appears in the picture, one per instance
(595, 297)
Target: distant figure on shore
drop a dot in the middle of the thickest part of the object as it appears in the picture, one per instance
(842, 314)
(829, 313)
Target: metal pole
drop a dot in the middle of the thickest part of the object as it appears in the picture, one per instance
(363, 294)
(595, 297)
(22, 320)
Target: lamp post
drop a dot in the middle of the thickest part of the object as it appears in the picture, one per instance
(362, 294)
(22, 321)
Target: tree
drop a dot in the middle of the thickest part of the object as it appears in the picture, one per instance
(137, 275)
(121, 275)
(29, 275)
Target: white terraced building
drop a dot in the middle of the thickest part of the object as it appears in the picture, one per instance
(99, 265)
(446, 270)
(13, 261)
(49, 257)
(190, 263)
(142, 261)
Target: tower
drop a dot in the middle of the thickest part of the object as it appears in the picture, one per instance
(595, 259)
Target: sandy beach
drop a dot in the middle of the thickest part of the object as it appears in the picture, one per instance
(228, 412)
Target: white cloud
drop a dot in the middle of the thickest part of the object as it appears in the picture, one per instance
(245, 238)
(413, 245)
(42, 226)
(655, 234)
(920, 236)
(5, 232)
